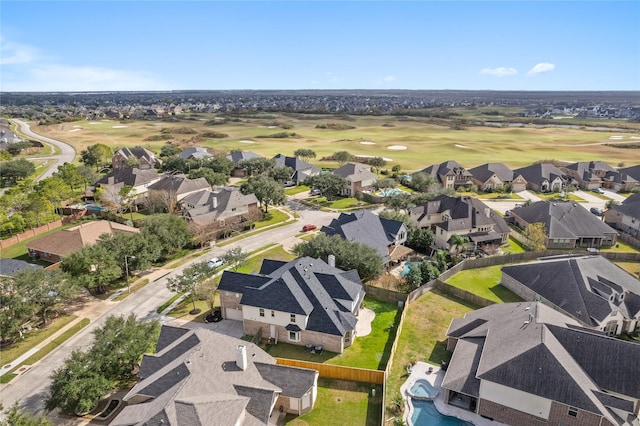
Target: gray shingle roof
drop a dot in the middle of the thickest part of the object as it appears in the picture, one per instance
(564, 219)
(579, 286)
(238, 156)
(295, 163)
(538, 173)
(632, 171)
(442, 169)
(484, 172)
(206, 206)
(535, 349)
(195, 152)
(8, 267)
(131, 176)
(203, 383)
(179, 184)
(355, 171)
(629, 208)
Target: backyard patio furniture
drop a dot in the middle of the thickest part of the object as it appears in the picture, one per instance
(318, 349)
(309, 347)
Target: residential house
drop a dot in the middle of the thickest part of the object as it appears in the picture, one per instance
(597, 293)
(239, 156)
(449, 175)
(179, 186)
(622, 180)
(139, 180)
(492, 176)
(588, 174)
(543, 177)
(302, 302)
(359, 178)
(527, 364)
(214, 212)
(386, 236)
(469, 217)
(301, 169)
(53, 247)
(143, 158)
(625, 217)
(632, 171)
(567, 224)
(199, 377)
(195, 153)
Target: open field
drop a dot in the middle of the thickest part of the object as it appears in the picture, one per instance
(425, 143)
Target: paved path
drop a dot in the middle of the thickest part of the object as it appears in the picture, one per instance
(67, 152)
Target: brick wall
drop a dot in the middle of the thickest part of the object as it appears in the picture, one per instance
(507, 415)
(329, 342)
(230, 300)
(560, 414)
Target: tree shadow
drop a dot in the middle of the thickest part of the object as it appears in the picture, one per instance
(439, 353)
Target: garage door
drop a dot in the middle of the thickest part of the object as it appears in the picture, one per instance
(234, 314)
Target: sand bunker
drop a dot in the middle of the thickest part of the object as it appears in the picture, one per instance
(616, 137)
(77, 127)
(635, 137)
(461, 146)
(245, 141)
(75, 130)
(119, 127)
(397, 147)
(94, 122)
(367, 143)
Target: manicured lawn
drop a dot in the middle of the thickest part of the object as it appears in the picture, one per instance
(183, 308)
(342, 402)
(371, 351)
(296, 190)
(346, 203)
(254, 263)
(568, 196)
(274, 216)
(494, 196)
(513, 247)
(631, 267)
(483, 282)
(33, 338)
(621, 247)
(423, 335)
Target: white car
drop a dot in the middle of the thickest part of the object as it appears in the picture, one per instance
(215, 262)
(598, 190)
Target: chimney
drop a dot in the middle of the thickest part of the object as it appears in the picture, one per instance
(214, 202)
(331, 260)
(241, 357)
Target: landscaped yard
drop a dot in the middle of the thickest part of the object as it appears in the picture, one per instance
(274, 216)
(276, 253)
(513, 247)
(554, 195)
(344, 403)
(423, 335)
(296, 190)
(483, 282)
(371, 351)
(631, 267)
(183, 308)
(621, 247)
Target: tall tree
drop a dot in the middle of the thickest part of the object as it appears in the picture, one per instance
(458, 242)
(188, 280)
(281, 174)
(267, 191)
(16, 310)
(305, 154)
(342, 157)
(45, 289)
(15, 170)
(235, 258)
(15, 416)
(219, 164)
(257, 166)
(93, 267)
(98, 155)
(422, 182)
(420, 239)
(171, 232)
(536, 233)
(213, 178)
(329, 185)
(377, 163)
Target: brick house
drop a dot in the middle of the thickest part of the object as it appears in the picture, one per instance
(53, 247)
(567, 224)
(200, 377)
(359, 177)
(543, 177)
(591, 289)
(490, 176)
(302, 302)
(527, 364)
(588, 174)
(449, 175)
(144, 158)
(626, 216)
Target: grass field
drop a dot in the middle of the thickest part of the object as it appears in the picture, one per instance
(425, 143)
(483, 282)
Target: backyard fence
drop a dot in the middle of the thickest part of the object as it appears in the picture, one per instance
(462, 294)
(338, 372)
(385, 295)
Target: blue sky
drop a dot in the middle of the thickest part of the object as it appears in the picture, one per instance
(171, 45)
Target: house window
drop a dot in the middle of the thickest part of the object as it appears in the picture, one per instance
(293, 317)
(261, 312)
(294, 336)
(273, 313)
(347, 337)
(573, 411)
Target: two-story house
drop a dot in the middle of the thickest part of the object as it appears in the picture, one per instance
(543, 177)
(625, 217)
(301, 169)
(449, 175)
(302, 302)
(359, 178)
(464, 216)
(588, 174)
(142, 157)
(492, 176)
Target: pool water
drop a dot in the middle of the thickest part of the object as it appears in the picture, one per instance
(389, 192)
(405, 271)
(422, 389)
(426, 414)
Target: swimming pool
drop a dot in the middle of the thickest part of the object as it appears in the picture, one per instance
(405, 271)
(422, 389)
(389, 192)
(425, 414)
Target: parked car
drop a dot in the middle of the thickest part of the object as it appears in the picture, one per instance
(289, 184)
(309, 227)
(315, 191)
(216, 262)
(598, 190)
(595, 210)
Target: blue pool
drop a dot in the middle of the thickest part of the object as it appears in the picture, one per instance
(405, 271)
(422, 389)
(426, 414)
(389, 192)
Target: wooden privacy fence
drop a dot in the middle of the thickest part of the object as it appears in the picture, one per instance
(337, 371)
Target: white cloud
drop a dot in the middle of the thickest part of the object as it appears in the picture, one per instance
(48, 77)
(389, 78)
(541, 67)
(15, 53)
(500, 71)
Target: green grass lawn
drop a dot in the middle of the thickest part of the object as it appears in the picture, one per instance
(513, 247)
(371, 351)
(183, 308)
(33, 338)
(346, 203)
(276, 253)
(621, 247)
(631, 267)
(483, 282)
(423, 335)
(494, 196)
(296, 190)
(555, 196)
(342, 402)
(271, 218)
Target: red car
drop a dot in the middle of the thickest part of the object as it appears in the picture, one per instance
(309, 227)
